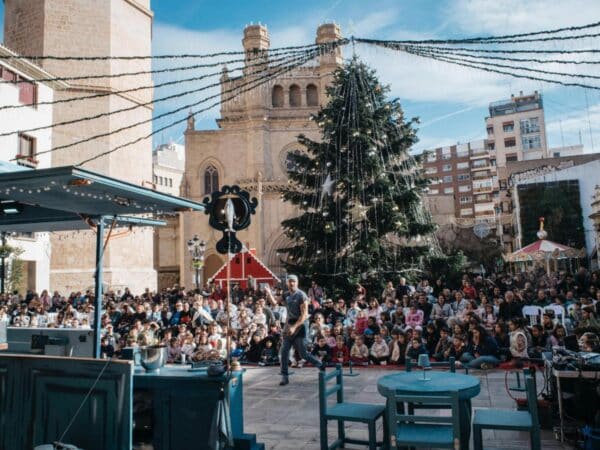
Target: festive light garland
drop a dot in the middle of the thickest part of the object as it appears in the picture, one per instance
(134, 107)
(546, 72)
(238, 91)
(256, 52)
(502, 72)
(165, 70)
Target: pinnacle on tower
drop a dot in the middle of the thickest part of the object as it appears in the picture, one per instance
(256, 44)
(329, 32)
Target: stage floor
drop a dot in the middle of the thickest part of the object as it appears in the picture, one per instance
(287, 417)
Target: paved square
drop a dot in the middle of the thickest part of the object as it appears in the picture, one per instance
(288, 417)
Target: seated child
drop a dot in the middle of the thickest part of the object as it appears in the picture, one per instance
(359, 353)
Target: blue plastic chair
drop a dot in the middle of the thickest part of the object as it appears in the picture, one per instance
(498, 419)
(412, 430)
(342, 411)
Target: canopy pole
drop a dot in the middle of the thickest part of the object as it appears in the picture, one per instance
(98, 287)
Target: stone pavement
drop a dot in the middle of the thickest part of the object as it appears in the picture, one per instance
(288, 417)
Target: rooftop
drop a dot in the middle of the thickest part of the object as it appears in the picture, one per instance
(516, 104)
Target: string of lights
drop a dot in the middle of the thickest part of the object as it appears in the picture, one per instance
(497, 40)
(534, 33)
(141, 88)
(156, 71)
(502, 72)
(255, 52)
(451, 51)
(258, 82)
(399, 46)
(141, 105)
(272, 73)
(469, 58)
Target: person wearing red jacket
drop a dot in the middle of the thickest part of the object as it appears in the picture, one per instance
(469, 291)
(340, 353)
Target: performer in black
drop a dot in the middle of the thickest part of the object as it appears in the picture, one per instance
(294, 332)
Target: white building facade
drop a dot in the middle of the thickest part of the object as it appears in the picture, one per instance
(26, 149)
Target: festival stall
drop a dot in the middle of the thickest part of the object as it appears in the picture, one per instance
(544, 253)
(245, 268)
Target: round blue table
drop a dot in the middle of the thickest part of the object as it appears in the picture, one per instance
(411, 383)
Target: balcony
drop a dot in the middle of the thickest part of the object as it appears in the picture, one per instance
(479, 167)
(485, 215)
(27, 161)
(483, 189)
(480, 153)
(482, 174)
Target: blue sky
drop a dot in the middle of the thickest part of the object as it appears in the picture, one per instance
(450, 101)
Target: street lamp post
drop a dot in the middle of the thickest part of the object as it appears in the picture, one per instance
(197, 247)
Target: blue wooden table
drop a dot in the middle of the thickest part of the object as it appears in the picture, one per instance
(411, 383)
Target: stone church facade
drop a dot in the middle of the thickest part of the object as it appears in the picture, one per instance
(257, 130)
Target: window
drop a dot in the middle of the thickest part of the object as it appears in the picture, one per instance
(154, 179)
(27, 93)
(490, 130)
(466, 199)
(277, 96)
(511, 158)
(502, 184)
(556, 155)
(462, 165)
(160, 180)
(211, 179)
(447, 167)
(480, 163)
(434, 191)
(312, 95)
(464, 188)
(448, 179)
(490, 145)
(466, 211)
(431, 170)
(295, 95)
(531, 125)
(508, 127)
(26, 146)
(448, 190)
(506, 207)
(446, 153)
(531, 142)
(510, 142)
(170, 182)
(431, 157)
(464, 176)
(7, 75)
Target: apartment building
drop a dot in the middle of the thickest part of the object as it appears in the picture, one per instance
(516, 129)
(475, 172)
(468, 173)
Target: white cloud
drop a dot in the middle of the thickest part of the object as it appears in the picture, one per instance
(578, 125)
(516, 16)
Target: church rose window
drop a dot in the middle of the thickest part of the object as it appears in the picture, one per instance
(290, 164)
(211, 179)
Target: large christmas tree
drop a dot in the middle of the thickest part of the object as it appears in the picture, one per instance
(358, 191)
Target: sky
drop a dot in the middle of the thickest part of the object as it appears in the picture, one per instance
(451, 102)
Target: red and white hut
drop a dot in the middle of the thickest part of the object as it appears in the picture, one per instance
(245, 268)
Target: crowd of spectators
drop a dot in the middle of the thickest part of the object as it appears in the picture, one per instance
(480, 322)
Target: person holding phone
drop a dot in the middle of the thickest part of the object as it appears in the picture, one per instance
(294, 331)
